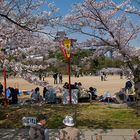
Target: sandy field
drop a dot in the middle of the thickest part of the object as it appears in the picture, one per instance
(113, 83)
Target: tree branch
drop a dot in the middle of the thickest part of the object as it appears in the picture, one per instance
(18, 24)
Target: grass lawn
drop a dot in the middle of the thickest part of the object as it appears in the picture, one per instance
(95, 115)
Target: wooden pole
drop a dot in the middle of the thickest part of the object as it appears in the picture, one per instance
(69, 74)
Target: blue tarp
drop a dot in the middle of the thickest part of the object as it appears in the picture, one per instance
(8, 92)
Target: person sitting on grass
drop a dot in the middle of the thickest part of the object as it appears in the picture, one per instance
(128, 86)
(121, 96)
(66, 85)
(106, 97)
(93, 93)
(35, 96)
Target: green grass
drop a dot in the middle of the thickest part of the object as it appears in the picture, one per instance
(96, 115)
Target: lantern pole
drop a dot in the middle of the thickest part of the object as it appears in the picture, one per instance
(69, 75)
(67, 44)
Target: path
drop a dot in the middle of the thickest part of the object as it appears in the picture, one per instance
(86, 134)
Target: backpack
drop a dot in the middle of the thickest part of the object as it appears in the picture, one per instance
(36, 133)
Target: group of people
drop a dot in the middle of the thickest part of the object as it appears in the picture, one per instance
(11, 95)
(39, 132)
(49, 95)
(72, 86)
(58, 78)
(82, 92)
(42, 77)
(125, 94)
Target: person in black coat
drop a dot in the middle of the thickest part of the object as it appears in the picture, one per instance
(14, 95)
(1, 89)
(128, 86)
(93, 93)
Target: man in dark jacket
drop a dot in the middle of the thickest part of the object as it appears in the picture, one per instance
(1, 89)
(38, 131)
(13, 95)
(55, 77)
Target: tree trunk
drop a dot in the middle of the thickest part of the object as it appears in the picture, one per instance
(137, 84)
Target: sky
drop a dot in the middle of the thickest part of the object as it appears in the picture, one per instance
(65, 7)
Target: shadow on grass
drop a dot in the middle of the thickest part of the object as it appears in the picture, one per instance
(102, 124)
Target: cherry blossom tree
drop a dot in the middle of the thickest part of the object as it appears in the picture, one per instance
(108, 26)
(24, 32)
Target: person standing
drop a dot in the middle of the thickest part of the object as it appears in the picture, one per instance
(102, 77)
(44, 92)
(55, 77)
(60, 78)
(43, 77)
(40, 77)
(121, 75)
(38, 131)
(69, 132)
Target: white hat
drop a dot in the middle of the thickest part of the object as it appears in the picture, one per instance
(68, 121)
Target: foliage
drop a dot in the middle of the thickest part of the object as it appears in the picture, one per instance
(76, 59)
(109, 27)
(22, 24)
(79, 55)
(104, 62)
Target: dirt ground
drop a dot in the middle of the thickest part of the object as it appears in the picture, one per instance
(113, 83)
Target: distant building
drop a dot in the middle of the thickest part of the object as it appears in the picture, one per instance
(87, 46)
